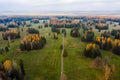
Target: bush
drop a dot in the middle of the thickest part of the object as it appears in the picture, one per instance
(6, 49)
(46, 25)
(65, 54)
(63, 30)
(75, 32)
(116, 47)
(13, 34)
(55, 35)
(92, 51)
(104, 43)
(32, 42)
(1, 51)
(55, 30)
(98, 62)
(40, 27)
(32, 31)
(88, 36)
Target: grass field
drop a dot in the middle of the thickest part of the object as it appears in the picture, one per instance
(45, 64)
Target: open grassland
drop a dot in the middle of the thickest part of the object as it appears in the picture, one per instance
(44, 64)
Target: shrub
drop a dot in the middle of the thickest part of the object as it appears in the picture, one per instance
(32, 42)
(46, 24)
(116, 47)
(6, 49)
(55, 30)
(13, 34)
(92, 51)
(39, 27)
(88, 36)
(32, 31)
(75, 32)
(63, 30)
(55, 35)
(1, 51)
(98, 62)
(65, 54)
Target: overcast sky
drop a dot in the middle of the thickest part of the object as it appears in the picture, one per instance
(58, 5)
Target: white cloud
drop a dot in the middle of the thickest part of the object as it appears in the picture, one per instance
(71, 5)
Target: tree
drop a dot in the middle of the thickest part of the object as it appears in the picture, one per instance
(92, 51)
(65, 54)
(6, 49)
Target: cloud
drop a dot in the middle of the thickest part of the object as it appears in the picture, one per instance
(58, 5)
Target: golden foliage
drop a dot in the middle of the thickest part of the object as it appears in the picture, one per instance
(109, 71)
(116, 42)
(7, 64)
(90, 46)
(11, 31)
(31, 38)
(103, 40)
(98, 39)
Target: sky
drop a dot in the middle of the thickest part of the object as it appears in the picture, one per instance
(29, 6)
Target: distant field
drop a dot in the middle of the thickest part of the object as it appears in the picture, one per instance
(44, 64)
